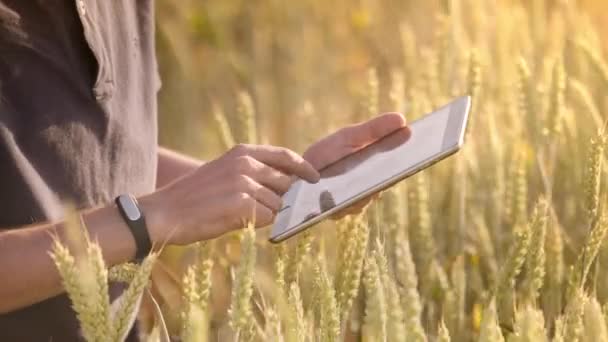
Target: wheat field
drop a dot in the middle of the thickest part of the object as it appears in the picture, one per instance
(501, 242)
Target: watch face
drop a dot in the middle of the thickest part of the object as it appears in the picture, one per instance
(130, 207)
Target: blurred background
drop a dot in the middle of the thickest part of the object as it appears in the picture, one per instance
(288, 72)
(298, 57)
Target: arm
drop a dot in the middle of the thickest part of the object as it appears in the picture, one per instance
(104, 224)
(173, 165)
(244, 185)
(32, 245)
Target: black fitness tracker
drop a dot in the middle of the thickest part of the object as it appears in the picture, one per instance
(135, 220)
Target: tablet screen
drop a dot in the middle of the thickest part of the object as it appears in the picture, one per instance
(394, 155)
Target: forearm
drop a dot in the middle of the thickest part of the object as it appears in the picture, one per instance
(24, 252)
(244, 185)
(26, 269)
(173, 165)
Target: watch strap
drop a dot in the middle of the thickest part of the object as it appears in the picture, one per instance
(135, 220)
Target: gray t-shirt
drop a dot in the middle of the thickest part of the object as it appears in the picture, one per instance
(78, 83)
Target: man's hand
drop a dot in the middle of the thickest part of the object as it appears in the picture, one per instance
(351, 139)
(243, 185)
(246, 184)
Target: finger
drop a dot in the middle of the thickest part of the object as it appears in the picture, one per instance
(263, 216)
(269, 177)
(260, 193)
(250, 210)
(285, 160)
(351, 139)
(363, 134)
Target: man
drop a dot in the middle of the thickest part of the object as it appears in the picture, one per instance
(78, 83)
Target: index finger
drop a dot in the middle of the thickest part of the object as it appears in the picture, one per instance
(285, 160)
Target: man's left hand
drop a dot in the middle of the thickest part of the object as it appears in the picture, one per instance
(349, 140)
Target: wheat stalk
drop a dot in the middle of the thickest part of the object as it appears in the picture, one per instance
(354, 234)
(554, 276)
(553, 128)
(421, 235)
(77, 287)
(279, 268)
(474, 82)
(240, 312)
(594, 323)
(444, 333)
(297, 325)
(584, 100)
(84, 277)
(535, 262)
(405, 271)
(593, 177)
(328, 318)
(299, 255)
(223, 127)
(372, 93)
(126, 306)
(573, 317)
(374, 326)
(395, 328)
(580, 270)
(489, 329)
(529, 326)
(397, 91)
(123, 273)
(246, 131)
(509, 271)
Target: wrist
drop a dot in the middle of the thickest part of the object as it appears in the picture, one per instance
(157, 216)
(132, 215)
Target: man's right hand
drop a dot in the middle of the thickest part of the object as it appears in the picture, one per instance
(243, 185)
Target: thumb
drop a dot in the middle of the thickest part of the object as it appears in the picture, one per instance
(360, 135)
(352, 138)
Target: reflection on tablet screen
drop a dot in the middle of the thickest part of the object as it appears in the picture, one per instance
(341, 180)
(366, 169)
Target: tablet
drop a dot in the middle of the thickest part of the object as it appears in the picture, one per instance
(374, 168)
